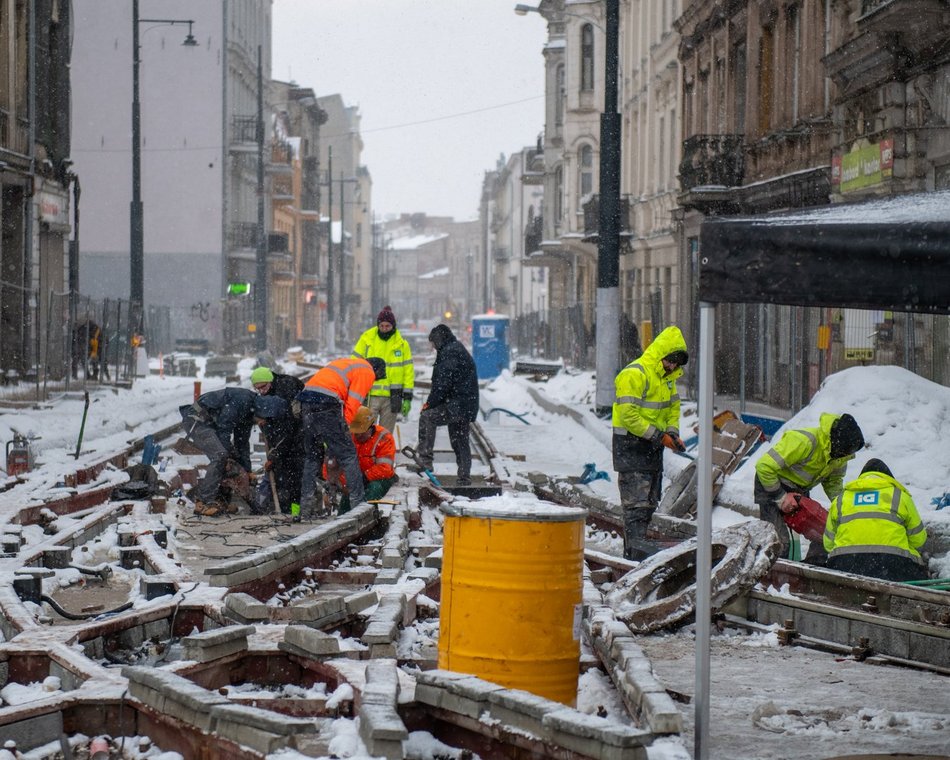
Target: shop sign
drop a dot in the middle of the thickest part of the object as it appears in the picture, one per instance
(865, 165)
(52, 208)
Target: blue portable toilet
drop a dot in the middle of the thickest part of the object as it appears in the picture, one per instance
(490, 348)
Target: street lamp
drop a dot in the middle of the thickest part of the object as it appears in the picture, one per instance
(608, 246)
(136, 219)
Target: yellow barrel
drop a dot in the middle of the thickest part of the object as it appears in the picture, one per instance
(512, 577)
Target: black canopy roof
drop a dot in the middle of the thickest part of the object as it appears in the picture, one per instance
(891, 253)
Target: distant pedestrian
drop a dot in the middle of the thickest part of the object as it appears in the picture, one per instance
(646, 418)
(391, 395)
(328, 404)
(452, 401)
(219, 423)
(801, 460)
(874, 528)
(88, 350)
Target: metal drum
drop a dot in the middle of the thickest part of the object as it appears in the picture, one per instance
(512, 577)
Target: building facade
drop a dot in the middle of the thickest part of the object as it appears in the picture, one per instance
(199, 148)
(36, 276)
(347, 201)
(799, 104)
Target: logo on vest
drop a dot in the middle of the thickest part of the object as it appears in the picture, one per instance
(866, 497)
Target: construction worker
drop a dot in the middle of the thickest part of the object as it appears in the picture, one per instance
(270, 383)
(376, 451)
(284, 463)
(874, 529)
(392, 394)
(801, 460)
(452, 401)
(328, 404)
(219, 423)
(645, 416)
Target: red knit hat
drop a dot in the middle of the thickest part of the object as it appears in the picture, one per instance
(386, 315)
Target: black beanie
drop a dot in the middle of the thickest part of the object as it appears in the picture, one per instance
(378, 365)
(876, 465)
(846, 436)
(440, 335)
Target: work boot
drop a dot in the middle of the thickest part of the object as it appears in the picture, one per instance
(209, 509)
(463, 480)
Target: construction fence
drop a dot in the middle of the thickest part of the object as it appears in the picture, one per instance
(766, 354)
(70, 342)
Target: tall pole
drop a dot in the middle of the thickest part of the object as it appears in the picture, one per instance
(331, 321)
(608, 249)
(260, 290)
(342, 264)
(136, 221)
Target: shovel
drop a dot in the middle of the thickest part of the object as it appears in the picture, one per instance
(411, 453)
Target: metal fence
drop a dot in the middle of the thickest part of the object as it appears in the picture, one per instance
(72, 342)
(780, 355)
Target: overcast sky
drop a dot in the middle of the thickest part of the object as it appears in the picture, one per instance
(443, 87)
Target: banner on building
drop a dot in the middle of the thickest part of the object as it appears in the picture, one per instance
(865, 165)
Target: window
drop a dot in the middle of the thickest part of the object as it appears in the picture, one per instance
(587, 57)
(738, 84)
(359, 234)
(793, 56)
(766, 79)
(559, 95)
(585, 163)
(558, 197)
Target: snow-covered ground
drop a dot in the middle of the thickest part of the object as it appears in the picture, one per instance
(767, 701)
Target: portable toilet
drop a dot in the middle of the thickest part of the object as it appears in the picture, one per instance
(490, 348)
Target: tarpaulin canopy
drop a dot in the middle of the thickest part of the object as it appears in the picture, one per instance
(891, 253)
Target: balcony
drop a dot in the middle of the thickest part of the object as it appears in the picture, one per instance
(592, 218)
(533, 235)
(712, 161)
(242, 235)
(243, 133)
(281, 157)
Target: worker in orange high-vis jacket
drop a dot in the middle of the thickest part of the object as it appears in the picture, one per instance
(328, 403)
(376, 452)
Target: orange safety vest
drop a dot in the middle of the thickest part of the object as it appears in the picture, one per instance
(348, 380)
(377, 456)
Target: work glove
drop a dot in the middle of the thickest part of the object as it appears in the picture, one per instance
(268, 465)
(295, 408)
(406, 405)
(673, 442)
(395, 402)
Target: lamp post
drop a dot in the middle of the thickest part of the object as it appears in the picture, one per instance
(136, 215)
(607, 310)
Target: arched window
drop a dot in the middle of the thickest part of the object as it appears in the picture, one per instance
(587, 57)
(585, 169)
(558, 197)
(559, 95)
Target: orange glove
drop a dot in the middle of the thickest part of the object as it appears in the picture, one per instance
(673, 442)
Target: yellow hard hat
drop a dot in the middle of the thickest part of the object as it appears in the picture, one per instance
(363, 418)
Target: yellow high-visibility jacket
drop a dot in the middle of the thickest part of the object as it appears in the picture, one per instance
(874, 514)
(400, 374)
(646, 400)
(802, 459)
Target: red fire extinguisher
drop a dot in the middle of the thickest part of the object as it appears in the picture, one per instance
(19, 455)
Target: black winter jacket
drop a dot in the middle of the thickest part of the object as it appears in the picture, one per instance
(454, 381)
(232, 414)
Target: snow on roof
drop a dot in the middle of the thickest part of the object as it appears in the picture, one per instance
(413, 242)
(901, 209)
(441, 272)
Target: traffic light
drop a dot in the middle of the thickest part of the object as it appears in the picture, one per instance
(239, 288)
